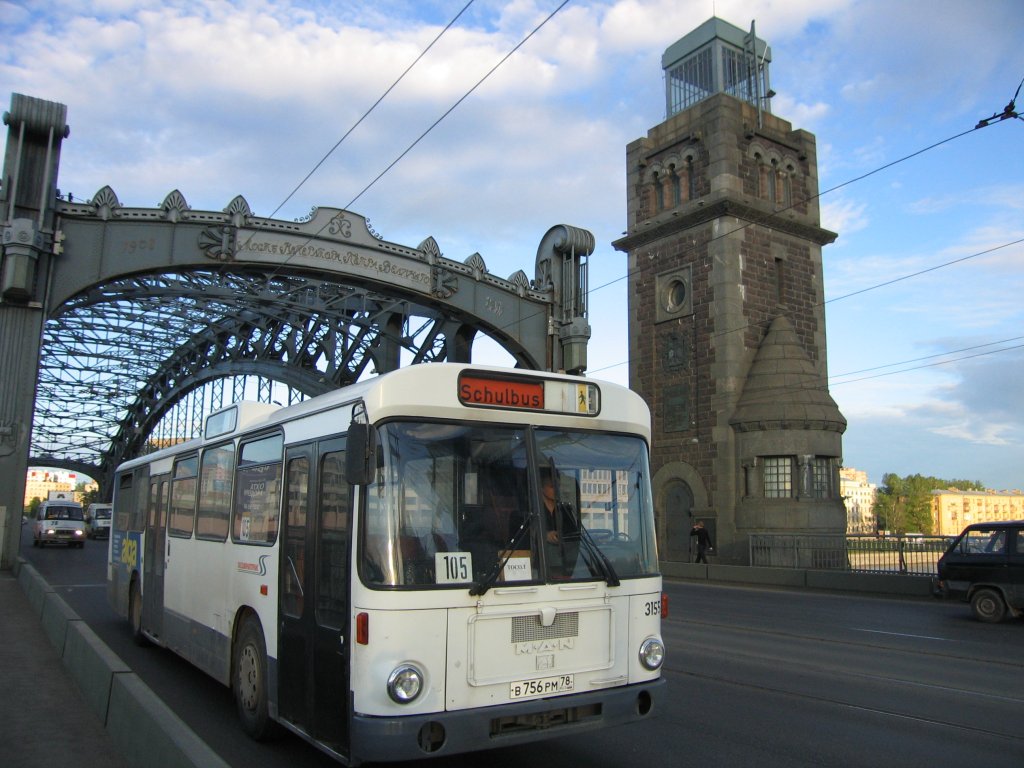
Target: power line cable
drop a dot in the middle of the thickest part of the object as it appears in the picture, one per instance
(931, 365)
(772, 394)
(452, 108)
(849, 295)
(423, 135)
(372, 107)
(926, 357)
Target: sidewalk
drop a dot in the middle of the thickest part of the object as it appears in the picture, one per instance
(44, 718)
(70, 700)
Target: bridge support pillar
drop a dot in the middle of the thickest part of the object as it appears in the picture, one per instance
(27, 196)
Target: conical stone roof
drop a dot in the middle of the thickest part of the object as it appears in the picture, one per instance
(783, 390)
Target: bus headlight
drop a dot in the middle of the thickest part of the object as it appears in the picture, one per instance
(405, 684)
(652, 653)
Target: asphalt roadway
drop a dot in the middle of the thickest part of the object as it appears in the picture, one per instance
(766, 677)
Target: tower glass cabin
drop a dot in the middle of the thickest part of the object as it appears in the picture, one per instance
(717, 57)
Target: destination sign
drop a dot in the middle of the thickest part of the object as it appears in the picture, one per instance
(495, 392)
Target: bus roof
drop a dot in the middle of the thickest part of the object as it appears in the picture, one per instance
(433, 390)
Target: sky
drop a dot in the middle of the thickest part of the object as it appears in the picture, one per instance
(925, 321)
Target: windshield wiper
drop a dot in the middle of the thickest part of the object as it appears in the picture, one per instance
(598, 557)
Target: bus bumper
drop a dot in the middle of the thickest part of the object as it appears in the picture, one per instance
(391, 739)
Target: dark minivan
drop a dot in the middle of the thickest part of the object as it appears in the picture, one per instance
(985, 566)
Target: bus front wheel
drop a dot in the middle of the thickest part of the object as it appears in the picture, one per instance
(249, 681)
(987, 605)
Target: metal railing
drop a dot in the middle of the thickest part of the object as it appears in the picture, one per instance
(916, 555)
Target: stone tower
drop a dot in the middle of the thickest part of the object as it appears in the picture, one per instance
(726, 305)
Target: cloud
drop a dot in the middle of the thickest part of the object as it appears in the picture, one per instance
(843, 216)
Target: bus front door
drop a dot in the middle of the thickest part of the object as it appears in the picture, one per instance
(312, 641)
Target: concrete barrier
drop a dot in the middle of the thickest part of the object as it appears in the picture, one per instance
(148, 733)
(32, 584)
(56, 617)
(144, 729)
(903, 585)
(92, 666)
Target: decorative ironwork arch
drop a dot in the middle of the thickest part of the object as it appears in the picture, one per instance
(141, 308)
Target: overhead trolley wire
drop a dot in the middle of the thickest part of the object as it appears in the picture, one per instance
(375, 104)
(452, 108)
(432, 126)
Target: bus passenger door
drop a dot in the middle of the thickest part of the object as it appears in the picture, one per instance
(313, 680)
(153, 566)
(295, 622)
(331, 588)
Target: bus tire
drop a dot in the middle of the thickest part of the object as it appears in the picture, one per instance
(988, 606)
(135, 613)
(249, 681)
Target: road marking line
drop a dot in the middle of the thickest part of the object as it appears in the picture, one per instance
(903, 634)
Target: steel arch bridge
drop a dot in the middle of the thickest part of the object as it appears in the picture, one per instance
(136, 308)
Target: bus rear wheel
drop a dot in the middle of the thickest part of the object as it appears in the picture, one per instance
(249, 681)
(135, 613)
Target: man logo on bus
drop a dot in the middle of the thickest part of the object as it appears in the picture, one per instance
(541, 646)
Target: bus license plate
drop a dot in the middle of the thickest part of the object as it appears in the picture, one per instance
(540, 686)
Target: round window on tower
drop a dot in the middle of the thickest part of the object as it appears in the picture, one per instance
(674, 296)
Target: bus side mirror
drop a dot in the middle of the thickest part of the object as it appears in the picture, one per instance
(360, 454)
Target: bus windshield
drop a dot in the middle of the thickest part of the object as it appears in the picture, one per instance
(455, 505)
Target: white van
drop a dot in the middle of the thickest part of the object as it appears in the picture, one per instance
(97, 521)
(59, 521)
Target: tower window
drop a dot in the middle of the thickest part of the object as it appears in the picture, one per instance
(690, 81)
(822, 480)
(778, 281)
(778, 477)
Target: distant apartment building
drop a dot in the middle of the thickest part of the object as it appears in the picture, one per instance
(953, 509)
(39, 483)
(859, 497)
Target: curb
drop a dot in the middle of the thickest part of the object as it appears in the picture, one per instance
(144, 729)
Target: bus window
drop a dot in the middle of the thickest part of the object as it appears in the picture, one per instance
(333, 540)
(296, 502)
(258, 491)
(124, 501)
(604, 479)
(183, 497)
(215, 493)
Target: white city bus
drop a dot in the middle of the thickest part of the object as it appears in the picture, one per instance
(441, 559)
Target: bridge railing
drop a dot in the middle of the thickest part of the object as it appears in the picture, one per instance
(916, 555)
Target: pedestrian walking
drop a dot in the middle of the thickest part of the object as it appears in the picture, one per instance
(703, 541)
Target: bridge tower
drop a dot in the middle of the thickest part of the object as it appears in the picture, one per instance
(726, 315)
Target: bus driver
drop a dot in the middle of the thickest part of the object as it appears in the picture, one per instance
(562, 532)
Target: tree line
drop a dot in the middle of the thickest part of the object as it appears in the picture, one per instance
(904, 504)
